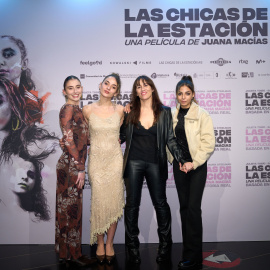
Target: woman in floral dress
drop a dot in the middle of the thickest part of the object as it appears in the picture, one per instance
(70, 176)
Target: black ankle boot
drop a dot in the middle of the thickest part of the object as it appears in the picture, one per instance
(134, 255)
(164, 252)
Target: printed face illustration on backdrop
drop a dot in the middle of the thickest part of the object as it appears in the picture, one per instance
(21, 132)
(22, 178)
(11, 62)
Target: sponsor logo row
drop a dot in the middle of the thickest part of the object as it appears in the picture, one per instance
(230, 75)
(220, 62)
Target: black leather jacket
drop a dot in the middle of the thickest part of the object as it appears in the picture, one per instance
(165, 137)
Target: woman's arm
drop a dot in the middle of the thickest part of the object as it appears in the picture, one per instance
(66, 122)
(123, 129)
(169, 155)
(86, 112)
(207, 141)
(171, 140)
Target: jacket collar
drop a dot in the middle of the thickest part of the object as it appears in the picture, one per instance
(193, 112)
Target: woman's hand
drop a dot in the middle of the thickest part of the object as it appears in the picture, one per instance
(80, 180)
(62, 143)
(187, 167)
(127, 108)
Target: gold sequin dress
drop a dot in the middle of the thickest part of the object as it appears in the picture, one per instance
(105, 173)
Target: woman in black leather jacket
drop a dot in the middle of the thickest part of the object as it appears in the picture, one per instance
(147, 131)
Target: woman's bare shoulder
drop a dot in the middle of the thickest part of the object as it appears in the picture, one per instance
(87, 110)
(120, 109)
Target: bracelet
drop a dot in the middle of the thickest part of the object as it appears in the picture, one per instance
(81, 171)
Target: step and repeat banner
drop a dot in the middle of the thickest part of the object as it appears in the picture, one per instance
(223, 45)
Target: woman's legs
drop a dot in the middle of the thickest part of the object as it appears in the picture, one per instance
(100, 253)
(182, 183)
(100, 245)
(136, 170)
(68, 218)
(190, 189)
(135, 174)
(109, 241)
(157, 190)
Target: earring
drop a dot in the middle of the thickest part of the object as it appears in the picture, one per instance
(17, 124)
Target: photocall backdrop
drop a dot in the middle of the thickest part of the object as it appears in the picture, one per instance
(223, 45)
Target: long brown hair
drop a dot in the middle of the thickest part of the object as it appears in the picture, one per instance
(134, 115)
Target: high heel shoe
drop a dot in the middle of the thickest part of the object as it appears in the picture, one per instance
(110, 259)
(101, 258)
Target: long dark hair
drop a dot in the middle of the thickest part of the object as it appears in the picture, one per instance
(134, 115)
(16, 100)
(186, 81)
(16, 123)
(20, 140)
(35, 200)
(21, 134)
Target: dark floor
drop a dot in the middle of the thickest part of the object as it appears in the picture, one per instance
(236, 255)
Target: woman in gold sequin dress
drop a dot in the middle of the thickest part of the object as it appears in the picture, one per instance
(105, 166)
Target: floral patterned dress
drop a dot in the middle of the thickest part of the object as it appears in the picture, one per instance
(68, 227)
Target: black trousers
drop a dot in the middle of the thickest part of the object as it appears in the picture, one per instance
(136, 170)
(190, 189)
